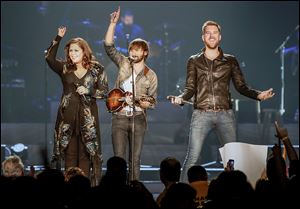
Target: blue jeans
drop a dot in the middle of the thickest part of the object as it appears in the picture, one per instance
(202, 123)
(121, 137)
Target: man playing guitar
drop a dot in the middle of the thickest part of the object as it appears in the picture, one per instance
(135, 81)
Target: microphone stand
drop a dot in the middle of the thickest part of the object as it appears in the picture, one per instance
(166, 57)
(281, 49)
(133, 112)
(132, 127)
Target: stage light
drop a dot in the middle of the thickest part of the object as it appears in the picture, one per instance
(20, 150)
(17, 148)
(42, 8)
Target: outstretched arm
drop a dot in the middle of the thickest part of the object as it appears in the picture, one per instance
(53, 63)
(114, 17)
(282, 134)
(110, 49)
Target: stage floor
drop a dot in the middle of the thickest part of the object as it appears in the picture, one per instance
(160, 142)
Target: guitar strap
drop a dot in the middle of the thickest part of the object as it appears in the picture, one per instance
(146, 70)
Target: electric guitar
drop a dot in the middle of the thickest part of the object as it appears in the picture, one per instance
(116, 99)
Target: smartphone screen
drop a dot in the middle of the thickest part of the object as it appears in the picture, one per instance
(230, 164)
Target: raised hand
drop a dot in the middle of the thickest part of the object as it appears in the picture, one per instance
(114, 17)
(128, 99)
(31, 171)
(280, 132)
(61, 31)
(264, 95)
(276, 150)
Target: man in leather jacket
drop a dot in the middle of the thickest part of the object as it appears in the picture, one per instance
(208, 78)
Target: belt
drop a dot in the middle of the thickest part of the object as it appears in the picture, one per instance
(128, 113)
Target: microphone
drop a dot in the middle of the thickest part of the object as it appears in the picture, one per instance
(77, 85)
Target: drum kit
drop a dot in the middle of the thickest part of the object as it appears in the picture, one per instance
(165, 40)
(165, 55)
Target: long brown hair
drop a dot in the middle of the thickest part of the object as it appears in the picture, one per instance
(88, 57)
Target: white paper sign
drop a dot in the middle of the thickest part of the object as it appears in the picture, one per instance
(249, 158)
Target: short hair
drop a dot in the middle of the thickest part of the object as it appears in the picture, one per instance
(139, 43)
(13, 166)
(170, 169)
(73, 171)
(116, 166)
(197, 173)
(210, 22)
(179, 195)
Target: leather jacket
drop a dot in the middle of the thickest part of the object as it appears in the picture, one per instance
(209, 83)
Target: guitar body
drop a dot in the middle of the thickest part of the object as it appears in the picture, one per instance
(115, 100)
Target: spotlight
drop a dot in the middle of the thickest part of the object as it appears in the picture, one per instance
(43, 8)
(20, 150)
(19, 147)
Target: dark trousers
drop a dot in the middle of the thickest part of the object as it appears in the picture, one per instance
(122, 135)
(76, 155)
